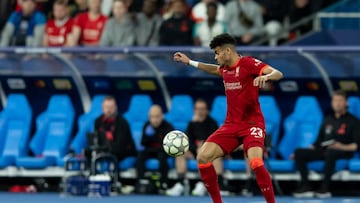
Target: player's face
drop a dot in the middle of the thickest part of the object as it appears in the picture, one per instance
(339, 104)
(109, 108)
(221, 56)
(119, 9)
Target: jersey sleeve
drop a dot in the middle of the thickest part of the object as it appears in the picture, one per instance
(220, 70)
(254, 66)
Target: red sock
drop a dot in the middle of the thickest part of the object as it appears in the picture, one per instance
(264, 182)
(209, 177)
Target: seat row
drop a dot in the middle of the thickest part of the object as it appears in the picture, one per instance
(53, 130)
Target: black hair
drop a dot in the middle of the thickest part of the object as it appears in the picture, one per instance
(221, 40)
(212, 4)
(340, 93)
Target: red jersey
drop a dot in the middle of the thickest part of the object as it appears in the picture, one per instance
(242, 96)
(90, 29)
(57, 35)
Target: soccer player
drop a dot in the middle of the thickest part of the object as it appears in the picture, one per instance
(244, 123)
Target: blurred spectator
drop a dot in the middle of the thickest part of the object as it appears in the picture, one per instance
(119, 30)
(135, 6)
(177, 30)
(113, 133)
(199, 11)
(25, 27)
(338, 138)
(80, 6)
(205, 31)
(58, 28)
(153, 133)
(199, 129)
(167, 10)
(107, 7)
(274, 13)
(299, 10)
(244, 20)
(6, 7)
(147, 24)
(88, 26)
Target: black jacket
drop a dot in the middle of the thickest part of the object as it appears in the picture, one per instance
(122, 143)
(153, 137)
(345, 130)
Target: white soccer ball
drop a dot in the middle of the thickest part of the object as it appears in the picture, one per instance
(176, 143)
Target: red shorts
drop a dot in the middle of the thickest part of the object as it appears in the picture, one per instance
(230, 136)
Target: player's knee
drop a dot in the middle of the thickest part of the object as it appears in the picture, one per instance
(256, 162)
(203, 157)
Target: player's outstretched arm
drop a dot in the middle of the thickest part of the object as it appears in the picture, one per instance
(269, 73)
(209, 68)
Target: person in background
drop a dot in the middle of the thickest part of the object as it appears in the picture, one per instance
(79, 6)
(147, 24)
(244, 21)
(153, 133)
(208, 29)
(58, 28)
(6, 8)
(177, 30)
(338, 138)
(199, 11)
(198, 130)
(115, 129)
(88, 26)
(274, 13)
(25, 27)
(119, 30)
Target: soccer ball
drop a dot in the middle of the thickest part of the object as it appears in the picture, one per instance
(176, 143)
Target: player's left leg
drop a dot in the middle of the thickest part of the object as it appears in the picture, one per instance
(255, 156)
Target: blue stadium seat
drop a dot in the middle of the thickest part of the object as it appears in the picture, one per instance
(15, 127)
(318, 166)
(354, 106)
(136, 115)
(301, 126)
(235, 164)
(272, 116)
(52, 137)
(218, 109)
(181, 111)
(354, 164)
(86, 124)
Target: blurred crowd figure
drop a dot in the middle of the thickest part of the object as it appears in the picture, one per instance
(151, 22)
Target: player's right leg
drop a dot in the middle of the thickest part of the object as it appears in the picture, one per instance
(207, 154)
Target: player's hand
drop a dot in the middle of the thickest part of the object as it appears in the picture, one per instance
(180, 57)
(260, 81)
